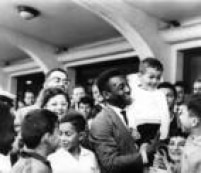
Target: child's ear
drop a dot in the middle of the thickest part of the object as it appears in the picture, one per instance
(45, 137)
(106, 94)
(195, 121)
(82, 135)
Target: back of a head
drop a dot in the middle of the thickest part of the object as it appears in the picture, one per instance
(150, 63)
(194, 104)
(76, 119)
(35, 124)
(103, 78)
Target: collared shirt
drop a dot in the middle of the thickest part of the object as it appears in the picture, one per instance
(191, 157)
(63, 162)
(5, 164)
(118, 112)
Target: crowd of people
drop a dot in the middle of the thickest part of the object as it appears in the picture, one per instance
(136, 123)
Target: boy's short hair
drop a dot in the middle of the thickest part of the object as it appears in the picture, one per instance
(169, 86)
(102, 80)
(197, 80)
(86, 100)
(48, 93)
(54, 70)
(177, 132)
(150, 63)
(180, 84)
(194, 104)
(76, 119)
(35, 124)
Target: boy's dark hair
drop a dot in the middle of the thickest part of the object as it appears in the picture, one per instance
(35, 124)
(177, 132)
(180, 84)
(51, 92)
(152, 63)
(102, 80)
(194, 104)
(76, 119)
(169, 86)
(54, 70)
(86, 100)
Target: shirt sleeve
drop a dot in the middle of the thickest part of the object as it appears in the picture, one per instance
(165, 117)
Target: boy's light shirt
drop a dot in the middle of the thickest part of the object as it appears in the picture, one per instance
(191, 157)
(63, 162)
(5, 166)
(148, 107)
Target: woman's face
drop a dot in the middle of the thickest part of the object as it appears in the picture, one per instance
(96, 95)
(175, 147)
(58, 104)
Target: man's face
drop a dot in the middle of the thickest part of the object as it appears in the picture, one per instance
(7, 134)
(78, 93)
(175, 147)
(29, 98)
(119, 94)
(150, 78)
(186, 118)
(57, 79)
(197, 87)
(85, 109)
(169, 93)
(180, 94)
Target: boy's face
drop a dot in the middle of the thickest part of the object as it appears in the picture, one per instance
(69, 137)
(85, 109)
(180, 94)
(175, 147)
(169, 96)
(150, 78)
(188, 121)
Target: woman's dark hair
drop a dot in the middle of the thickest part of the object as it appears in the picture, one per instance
(51, 92)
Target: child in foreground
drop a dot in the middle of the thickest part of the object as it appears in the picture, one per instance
(72, 157)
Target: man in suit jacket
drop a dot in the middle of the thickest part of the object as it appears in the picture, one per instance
(110, 135)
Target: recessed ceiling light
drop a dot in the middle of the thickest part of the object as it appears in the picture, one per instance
(27, 12)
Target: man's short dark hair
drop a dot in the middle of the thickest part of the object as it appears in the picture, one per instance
(150, 63)
(102, 80)
(35, 124)
(169, 86)
(54, 70)
(86, 100)
(194, 104)
(76, 119)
